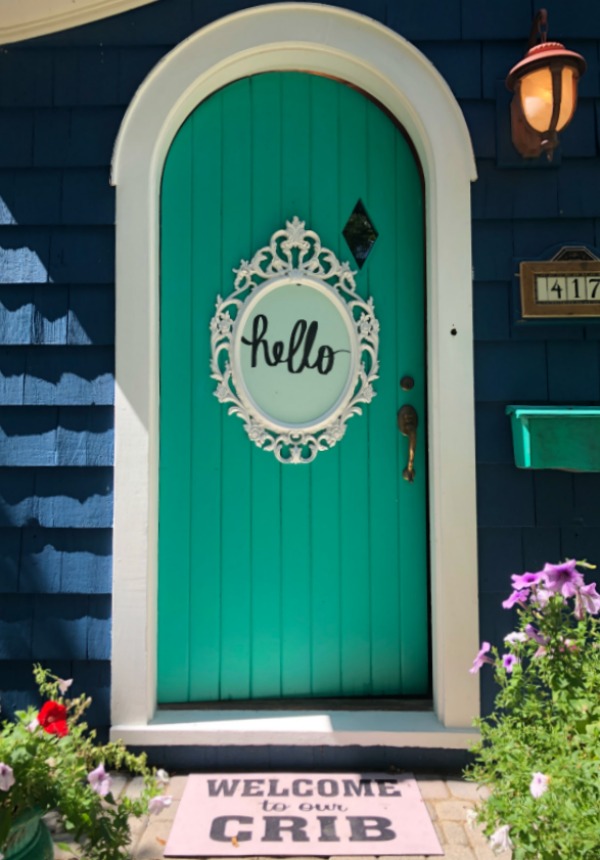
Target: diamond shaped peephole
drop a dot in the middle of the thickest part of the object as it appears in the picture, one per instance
(360, 234)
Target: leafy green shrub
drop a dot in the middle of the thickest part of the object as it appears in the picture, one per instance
(540, 748)
(49, 760)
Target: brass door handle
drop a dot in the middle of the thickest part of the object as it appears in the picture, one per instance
(408, 421)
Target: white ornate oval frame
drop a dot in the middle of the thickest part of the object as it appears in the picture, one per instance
(294, 255)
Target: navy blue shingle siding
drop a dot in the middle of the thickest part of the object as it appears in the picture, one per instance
(56, 497)
(77, 376)
(56, 436)
(57, 314)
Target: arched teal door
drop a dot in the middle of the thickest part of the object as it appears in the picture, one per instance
(280, 580)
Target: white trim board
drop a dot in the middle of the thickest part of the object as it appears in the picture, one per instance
(351, 47)
(26, 19)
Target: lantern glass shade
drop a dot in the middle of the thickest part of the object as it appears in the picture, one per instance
(537, 97)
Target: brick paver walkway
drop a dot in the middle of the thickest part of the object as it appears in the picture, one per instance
(448, 801)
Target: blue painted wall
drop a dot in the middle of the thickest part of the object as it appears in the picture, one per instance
(62, 98)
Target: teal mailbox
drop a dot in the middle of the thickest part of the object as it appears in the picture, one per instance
(556, 437)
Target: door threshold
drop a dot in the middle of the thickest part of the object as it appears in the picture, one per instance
(317, 728)
(383, 703)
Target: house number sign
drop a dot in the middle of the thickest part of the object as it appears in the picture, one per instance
(293, 347)
(566, 286)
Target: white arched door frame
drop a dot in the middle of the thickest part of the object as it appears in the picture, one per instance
(353, 48)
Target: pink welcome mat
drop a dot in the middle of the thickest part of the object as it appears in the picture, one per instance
(322, 814)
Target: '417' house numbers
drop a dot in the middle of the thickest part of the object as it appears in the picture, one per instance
(566, 286)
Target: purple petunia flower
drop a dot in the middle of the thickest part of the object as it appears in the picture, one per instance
(526, 580)
(539, 784)
(100, 780)
(587, 600)
(535, 634)
(563, 578)
(509, 661)
(481, 658)
(516, 597)
(7, 777)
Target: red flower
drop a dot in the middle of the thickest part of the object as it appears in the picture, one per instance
(53, 719)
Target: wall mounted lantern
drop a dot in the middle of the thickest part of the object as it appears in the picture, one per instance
(544, 84)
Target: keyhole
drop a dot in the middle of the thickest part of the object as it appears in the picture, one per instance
(406, 383)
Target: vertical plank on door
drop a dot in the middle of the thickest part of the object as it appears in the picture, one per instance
(175, 422)
(236, 478)
(207, 412)
(266, 628)
(295, 480)
(414, 626)
(381, 413)
(354, 464)
(325, 509)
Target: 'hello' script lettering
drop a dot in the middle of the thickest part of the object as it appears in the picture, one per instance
(299, 355)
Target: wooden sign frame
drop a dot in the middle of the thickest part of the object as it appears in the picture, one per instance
(567, 286)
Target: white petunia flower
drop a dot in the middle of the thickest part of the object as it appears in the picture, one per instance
(500, 840)
(516, 636)
(471, 819)
(539, 784)
(63, 685)
(157, 804)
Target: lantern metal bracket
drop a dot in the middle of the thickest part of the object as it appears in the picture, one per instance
(539, 28)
